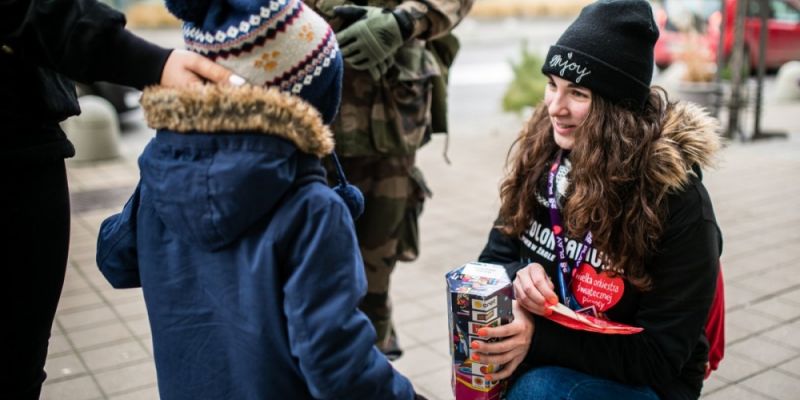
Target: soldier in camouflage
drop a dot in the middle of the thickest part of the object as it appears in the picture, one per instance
(391, 69)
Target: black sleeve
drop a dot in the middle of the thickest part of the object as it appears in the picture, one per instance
(502, 250)
(672, 313)
(81, 39)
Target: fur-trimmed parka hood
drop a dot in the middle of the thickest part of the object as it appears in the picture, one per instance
(225, 157)
(237, 109)
(689, 139)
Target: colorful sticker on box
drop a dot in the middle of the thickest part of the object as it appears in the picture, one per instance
(474, 326)
(484, 304)
(484, 316)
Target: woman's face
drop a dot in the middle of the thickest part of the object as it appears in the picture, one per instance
(568, 105)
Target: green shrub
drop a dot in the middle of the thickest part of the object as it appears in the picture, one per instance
(727, 72)
(526, 89)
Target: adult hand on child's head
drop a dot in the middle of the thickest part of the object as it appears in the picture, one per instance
(515, 340)
(184, 68)
(534, 290)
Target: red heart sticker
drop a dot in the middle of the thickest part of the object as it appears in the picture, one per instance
(599, 290)
(557, 229)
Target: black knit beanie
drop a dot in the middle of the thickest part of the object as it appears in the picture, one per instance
(608, 49)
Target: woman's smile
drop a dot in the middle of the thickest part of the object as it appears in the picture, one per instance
(563, 128)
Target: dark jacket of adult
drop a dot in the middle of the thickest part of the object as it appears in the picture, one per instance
(670, 354)
(44, 45)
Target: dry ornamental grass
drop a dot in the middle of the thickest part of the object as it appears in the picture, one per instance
(150, 15)
(700, 66)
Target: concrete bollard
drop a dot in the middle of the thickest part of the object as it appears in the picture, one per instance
(95, 132)
(787, 83)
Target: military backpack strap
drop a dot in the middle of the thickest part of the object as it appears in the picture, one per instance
(444, 50)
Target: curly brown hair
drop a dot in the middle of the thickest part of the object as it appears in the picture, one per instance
(611, 194)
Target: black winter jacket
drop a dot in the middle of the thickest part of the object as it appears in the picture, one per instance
(44, 45)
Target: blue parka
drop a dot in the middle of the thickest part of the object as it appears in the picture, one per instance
(248, 261)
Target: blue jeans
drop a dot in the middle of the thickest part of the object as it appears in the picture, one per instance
(545, 383)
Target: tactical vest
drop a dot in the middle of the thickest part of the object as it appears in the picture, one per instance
(397, 114)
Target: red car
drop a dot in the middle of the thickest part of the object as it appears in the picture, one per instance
(676, 17)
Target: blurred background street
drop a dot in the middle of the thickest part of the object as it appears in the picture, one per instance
(101, 346)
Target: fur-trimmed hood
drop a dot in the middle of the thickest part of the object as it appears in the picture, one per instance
(230, 109)
(689, 139)
(224, 157)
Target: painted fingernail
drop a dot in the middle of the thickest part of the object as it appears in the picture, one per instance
(476, 357)
(236, 80)
(548, 312)
(483, 332)
(474, 345)
(552, 300)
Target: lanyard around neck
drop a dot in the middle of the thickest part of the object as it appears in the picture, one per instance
(564, 269)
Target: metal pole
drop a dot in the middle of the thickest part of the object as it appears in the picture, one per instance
(762, 49)
(720, 58)
(736, 69)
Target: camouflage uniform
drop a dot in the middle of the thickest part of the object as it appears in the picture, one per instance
(378, 131)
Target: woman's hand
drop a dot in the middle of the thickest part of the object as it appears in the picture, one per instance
(515, 340)
(534, 290)
(184, 68)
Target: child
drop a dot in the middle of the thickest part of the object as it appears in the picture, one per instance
(247, 259)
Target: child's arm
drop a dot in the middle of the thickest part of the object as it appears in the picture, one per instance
(331, 338)
(116, 246)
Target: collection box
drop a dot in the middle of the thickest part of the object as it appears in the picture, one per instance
(478, 295)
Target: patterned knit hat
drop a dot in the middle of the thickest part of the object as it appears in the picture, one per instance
(274, 43)
(608, 49)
